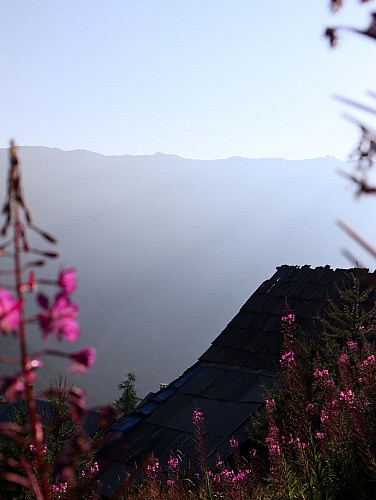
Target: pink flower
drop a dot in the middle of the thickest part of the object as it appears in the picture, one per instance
(352, 345)
(13, 387)
(290, 318)
(67, 280)
(152, 469)
(320, 373)
(173, 463)
(197, 417)
(324, 417)
(343, 358)
(59, 488)
(60, 320)
(9, 311)
(320, 435)
(347, 396)
(287, 358)
(83, 360)
(233, 443)
(77, 404)
(94, 468)
(329, 383)
(270, 404)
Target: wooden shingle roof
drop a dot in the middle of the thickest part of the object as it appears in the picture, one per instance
(227, 381)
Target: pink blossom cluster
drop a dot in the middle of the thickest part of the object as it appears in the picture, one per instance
(9, 312)
(197, 417)
(173, 463)
(94, 469)
(13, 387)
(83, 360)
(152, 469)
(229, 476)
(272, 440)
(348, 396)
(330, 410)
(320, 373)
(60, 488)
(369, 361)
(311, 407)
(32, 447)
(295, 441)
(328, 383)
(60, 319)
(322, 377)
(324, 417)
(352, 345)
(287, 358)
(233, 443)
(270, 404)
(343, 358)
(289, 318)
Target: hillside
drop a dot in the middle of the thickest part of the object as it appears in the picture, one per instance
(167, 249)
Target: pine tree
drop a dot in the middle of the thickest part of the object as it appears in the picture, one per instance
(347, 316)
(129, 399)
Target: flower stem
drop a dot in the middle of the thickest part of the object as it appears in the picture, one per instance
(29, 396)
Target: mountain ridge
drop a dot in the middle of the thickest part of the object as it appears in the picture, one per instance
(166, 256)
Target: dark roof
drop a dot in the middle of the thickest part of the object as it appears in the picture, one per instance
(227, 381)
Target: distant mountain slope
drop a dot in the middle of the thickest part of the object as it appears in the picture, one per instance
(168, 249)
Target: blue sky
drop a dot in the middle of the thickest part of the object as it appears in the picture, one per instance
(197, 78)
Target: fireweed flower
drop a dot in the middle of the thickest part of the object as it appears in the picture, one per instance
(343, 358)
(9, 311)
(287, 358)
(324, 417)
(352, 345)
(270, 404)
(233, 443)
(77, 404)
(32, 447)
(60, 320)
(197, 417)
(94, 468)
(13, 387)
(83, 360)
(369, 361)
(173, 463)
(320, 373)
(272, 441)
(152, 469)
(289, 318)
(67, 280)
(59, 488)
(329, 383)
(347, 396)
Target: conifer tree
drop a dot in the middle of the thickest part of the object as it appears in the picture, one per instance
(129, 399)
(347, 316)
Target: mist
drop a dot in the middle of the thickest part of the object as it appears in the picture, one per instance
(167, 249)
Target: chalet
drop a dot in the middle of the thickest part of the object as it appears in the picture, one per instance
(227, 381)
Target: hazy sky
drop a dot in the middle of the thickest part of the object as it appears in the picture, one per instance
(198, 78)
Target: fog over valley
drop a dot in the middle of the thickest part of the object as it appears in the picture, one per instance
(168, 249)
